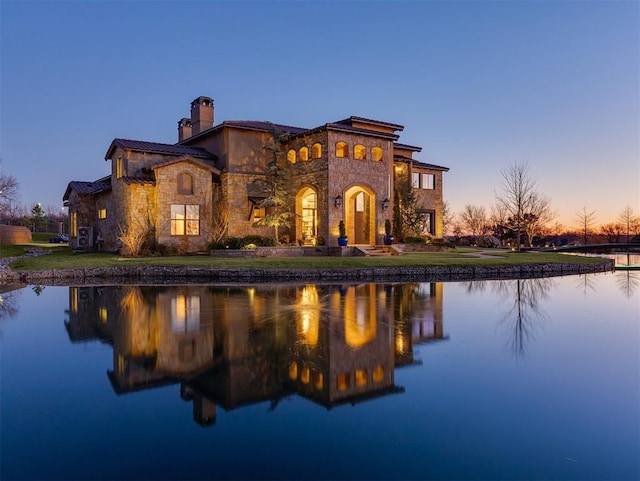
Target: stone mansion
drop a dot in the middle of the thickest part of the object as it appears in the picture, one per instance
(345, 170)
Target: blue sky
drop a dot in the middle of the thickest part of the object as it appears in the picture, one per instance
(479, 85)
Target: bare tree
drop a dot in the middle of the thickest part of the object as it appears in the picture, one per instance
(586, 220)
(448, 217)
(9, 193)
(134, 235)
(537, 217)
(518, 196)
(629, 221)
(474, 219)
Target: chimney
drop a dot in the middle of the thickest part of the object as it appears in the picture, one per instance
(184, 129)
(201, 115)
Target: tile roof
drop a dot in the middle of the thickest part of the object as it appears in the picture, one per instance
(261, 125)
(87, 188)
(155, 147)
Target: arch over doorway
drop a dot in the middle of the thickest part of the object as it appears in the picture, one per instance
(360, 214)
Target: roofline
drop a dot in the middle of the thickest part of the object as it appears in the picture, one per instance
(413, 148)
(112, 148)
(379, 123)
(417, 163)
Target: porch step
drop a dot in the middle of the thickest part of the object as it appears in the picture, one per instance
(379, 251)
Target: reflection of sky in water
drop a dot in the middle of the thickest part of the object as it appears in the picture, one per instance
(566, 406)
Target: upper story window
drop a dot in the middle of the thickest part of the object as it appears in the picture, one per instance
(303, 154)
(415, 180)
(185, 184)
(359, 152)
(102, 213)
(342, 149)
(119, 168)
(428, 181)
(376, 154)
(316, 151)
(291, 156)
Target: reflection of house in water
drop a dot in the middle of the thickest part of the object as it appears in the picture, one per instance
(233, 346)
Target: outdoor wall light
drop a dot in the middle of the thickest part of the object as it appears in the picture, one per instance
(385, 204)
(338, 201)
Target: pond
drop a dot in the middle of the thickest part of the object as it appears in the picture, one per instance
(514, 379)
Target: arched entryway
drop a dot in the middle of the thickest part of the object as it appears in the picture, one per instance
(307, 213)
(360, 215)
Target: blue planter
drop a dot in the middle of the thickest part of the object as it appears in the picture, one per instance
(342, 241)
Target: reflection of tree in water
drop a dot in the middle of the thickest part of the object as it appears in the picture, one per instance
(476, 287)
(525, 314)
(9, 304)
(586, 282)
(627, 282)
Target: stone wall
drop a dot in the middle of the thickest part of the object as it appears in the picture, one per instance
(13, 234)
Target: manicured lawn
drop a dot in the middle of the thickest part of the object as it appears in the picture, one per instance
(64, 258)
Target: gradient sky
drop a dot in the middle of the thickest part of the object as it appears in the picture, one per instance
(479, 85)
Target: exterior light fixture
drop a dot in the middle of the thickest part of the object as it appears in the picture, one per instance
(337, 202)
(385, 204)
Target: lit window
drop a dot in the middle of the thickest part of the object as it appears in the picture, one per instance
(318, 380)
(258, 213)
(119, 168)
(304, 154)
(102, 213)
(376, 154)
(428, 181)
(305, 375)
(185, 219)
(74, 224)
(293, 371)
(185, 184)
(361, 377)
(342, 149)
(185, 313)
(104, 314)
(291, 156)
(359, 152)
(316, 151)
(343, 382)
(415, 180)
(378, 374)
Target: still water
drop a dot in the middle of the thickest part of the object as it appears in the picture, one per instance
(518, 379)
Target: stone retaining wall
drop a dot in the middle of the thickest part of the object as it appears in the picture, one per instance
(163, 275)
(13, 234)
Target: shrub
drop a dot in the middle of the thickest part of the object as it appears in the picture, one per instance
(415, 240)
(258, 240)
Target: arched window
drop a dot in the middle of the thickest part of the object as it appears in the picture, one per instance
(291, 156)
(303, 154)
(316, 151)
(342, 149)
(376, 154)
(185, 184)
(359, 152)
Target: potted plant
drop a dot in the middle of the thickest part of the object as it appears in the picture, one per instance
(388, 238)
(342, 238)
